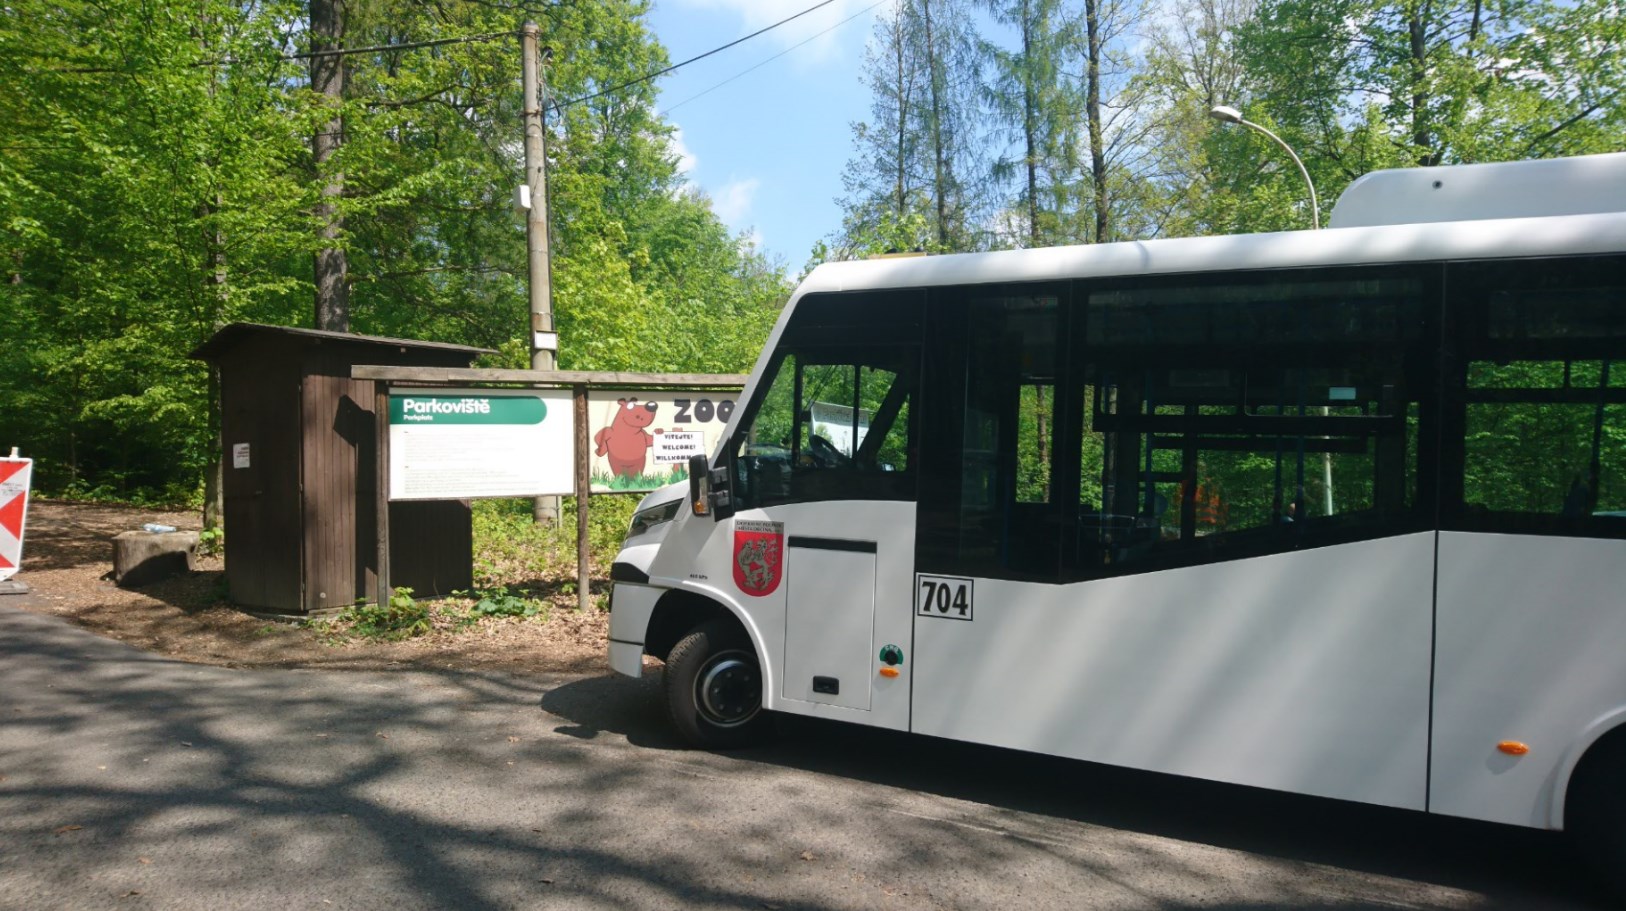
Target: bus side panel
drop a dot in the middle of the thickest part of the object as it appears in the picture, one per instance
(700, 554)
(1304, 672)
(1532, 648)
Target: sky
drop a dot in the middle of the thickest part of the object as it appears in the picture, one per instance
(768, 147)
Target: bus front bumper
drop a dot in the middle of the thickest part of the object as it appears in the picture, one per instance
(631, 605)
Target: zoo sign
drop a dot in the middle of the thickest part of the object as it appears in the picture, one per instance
(642, 439)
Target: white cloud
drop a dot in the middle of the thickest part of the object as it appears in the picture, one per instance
(756, 14)
(732, 203)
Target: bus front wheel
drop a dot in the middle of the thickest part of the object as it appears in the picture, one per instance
(714, 687)
(1596, 811)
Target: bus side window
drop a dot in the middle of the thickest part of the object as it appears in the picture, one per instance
(833, 424)
(1247, 416)
(1541, 397)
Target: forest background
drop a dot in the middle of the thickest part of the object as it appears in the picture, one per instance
(171, 166)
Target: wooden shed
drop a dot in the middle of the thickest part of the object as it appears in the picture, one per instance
(300, 472)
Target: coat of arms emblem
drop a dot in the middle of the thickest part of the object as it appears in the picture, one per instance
(758, 556)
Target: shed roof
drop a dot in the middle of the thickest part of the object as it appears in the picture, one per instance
(236, 333)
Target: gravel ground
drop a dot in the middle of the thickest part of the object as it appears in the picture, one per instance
(67, 561)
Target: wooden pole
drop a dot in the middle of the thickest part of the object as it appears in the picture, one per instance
(583, 494)
(545, 510)
(381, 450)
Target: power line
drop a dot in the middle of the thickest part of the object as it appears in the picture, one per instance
(642, 79)
(764, 63)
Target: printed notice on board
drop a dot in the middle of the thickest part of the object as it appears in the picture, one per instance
(453, 444)
(678, 445)
(239, 455)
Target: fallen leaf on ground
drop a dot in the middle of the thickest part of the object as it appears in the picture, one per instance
(131, 893)
(808, 855)
(382, 735)
(186, 743)
(64, 829)
(545, 881)
(513, 740)
(145, 860)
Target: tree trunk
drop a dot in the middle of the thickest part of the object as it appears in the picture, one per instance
(1030, 116)
(1421, 137)
(1092, 111)
(327, 80)
(935, 86)
(215, 296)
(900, 198)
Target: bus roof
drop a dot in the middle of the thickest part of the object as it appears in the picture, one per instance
(1581, 185)
(1423, 242)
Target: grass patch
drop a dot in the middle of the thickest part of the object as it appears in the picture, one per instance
(639, 483)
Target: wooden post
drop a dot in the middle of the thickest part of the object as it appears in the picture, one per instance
(545, 510)
(584, 484)
(381, 421)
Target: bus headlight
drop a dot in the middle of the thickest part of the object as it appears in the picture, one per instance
(646, 519)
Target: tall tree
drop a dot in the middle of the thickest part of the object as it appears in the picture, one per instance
(919, 159)
(1033, 103)
(1442, 81)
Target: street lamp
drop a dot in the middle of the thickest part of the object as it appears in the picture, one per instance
(1227, 114)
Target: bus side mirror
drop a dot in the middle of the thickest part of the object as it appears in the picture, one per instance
(709, 488)
(699, 481)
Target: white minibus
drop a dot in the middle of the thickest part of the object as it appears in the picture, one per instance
(1337, 512)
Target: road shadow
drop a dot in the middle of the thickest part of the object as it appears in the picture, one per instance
(1500, 861)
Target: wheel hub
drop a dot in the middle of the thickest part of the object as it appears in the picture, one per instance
(729, 690)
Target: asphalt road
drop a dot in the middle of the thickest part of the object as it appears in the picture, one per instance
(132, 781)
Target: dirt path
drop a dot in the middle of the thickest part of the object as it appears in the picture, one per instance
(67, 558)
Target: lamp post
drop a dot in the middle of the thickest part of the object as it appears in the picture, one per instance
(1227, 114)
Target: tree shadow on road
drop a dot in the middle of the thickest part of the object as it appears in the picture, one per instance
(135, 781)
(1515, 867)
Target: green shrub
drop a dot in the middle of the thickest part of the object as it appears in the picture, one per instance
(399, 618)
(212, 541)
(502, 602)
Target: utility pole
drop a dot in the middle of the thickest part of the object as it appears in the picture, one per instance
(544, 341)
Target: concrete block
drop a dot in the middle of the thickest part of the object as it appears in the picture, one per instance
(144, 557)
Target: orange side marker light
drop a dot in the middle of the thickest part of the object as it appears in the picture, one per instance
(1513, 747)
(889, 672)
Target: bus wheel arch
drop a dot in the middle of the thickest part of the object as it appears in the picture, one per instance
(1595, 808)
(677, 614)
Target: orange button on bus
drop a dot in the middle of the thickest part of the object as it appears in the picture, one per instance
(889, 672)
(1513, 747)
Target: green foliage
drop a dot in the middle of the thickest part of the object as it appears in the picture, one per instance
(399, 618)
(212, 541)
(159, 183)
(502, 602)
(511, 549)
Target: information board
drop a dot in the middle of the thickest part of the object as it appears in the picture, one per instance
(456, 444)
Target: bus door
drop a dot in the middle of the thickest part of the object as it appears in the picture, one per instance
(823, 469)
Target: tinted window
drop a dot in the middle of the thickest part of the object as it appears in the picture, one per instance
(1233, 417)
(1538, 396)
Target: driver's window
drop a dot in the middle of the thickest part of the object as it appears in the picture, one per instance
(830, 425)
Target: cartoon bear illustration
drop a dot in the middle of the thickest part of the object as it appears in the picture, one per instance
(625, 443)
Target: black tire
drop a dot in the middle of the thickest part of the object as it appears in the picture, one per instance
(714, 688)
(1595, 812)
